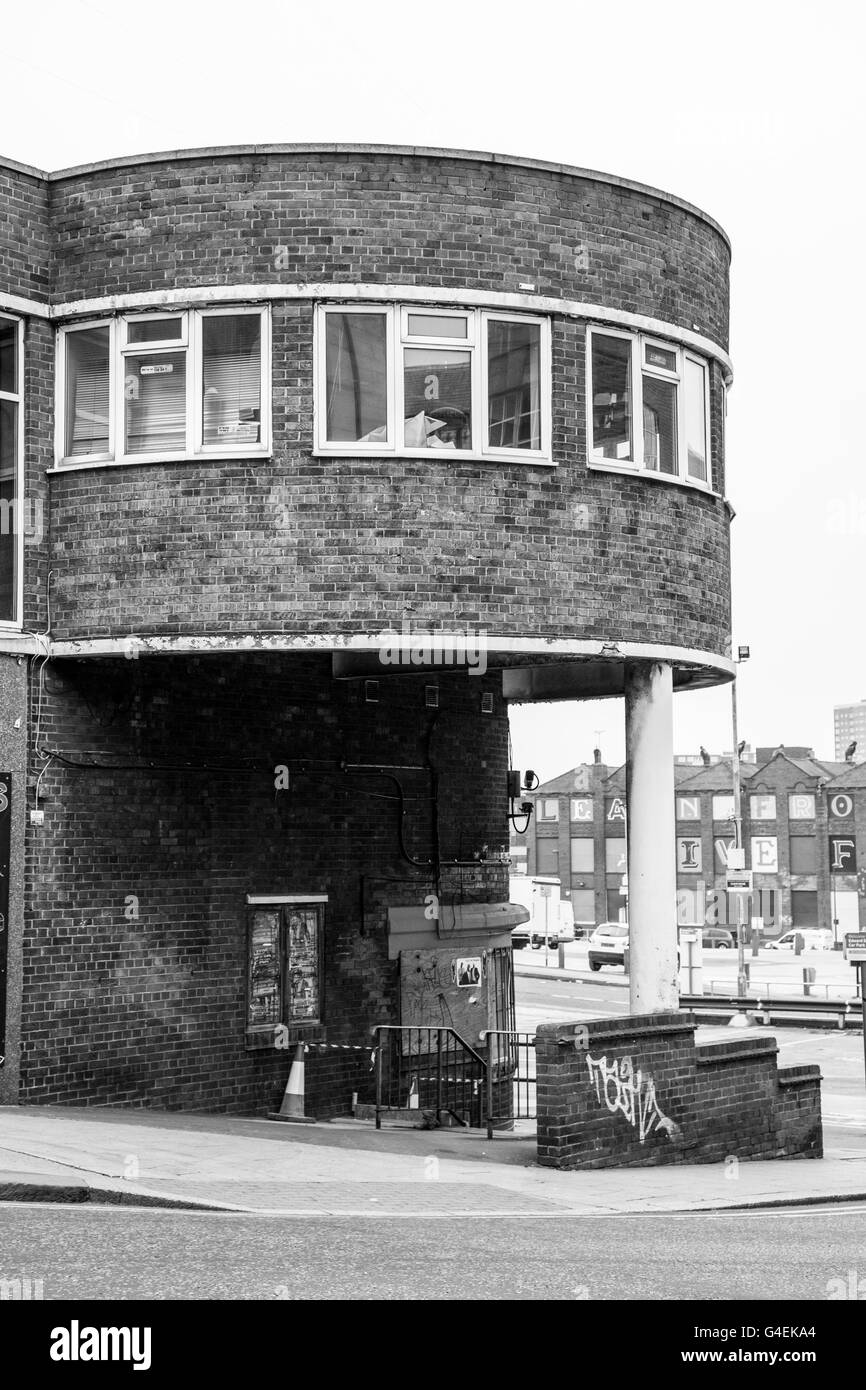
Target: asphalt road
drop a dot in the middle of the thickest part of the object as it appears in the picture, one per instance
(119, 1254)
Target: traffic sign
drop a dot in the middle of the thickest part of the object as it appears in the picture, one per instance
(855, 946)
(739, 880)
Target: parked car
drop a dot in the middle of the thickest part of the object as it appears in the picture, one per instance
(814, 939)
(717, 939)
(607, 945)
(520, 937)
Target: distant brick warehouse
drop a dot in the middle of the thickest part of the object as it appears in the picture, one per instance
(803, 831)
(312, 460)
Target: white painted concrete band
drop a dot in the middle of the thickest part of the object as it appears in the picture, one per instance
(371, 293)
(437, 642)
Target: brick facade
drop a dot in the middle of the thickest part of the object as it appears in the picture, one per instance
(156, 775)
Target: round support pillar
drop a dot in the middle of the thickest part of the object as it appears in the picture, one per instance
(652, 883)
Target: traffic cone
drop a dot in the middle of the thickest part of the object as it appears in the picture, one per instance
(292, 1108)
(413, 1102)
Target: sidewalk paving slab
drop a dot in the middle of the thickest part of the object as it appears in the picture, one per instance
(347, 1168)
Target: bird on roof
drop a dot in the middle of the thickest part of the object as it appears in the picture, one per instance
(850, 751)
(740, 746)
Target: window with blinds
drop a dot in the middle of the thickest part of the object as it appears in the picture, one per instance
(88, 392)
(176, 385)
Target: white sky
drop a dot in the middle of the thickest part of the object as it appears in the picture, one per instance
(753, 111)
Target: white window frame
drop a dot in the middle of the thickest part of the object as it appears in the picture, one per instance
(191, 343)
(14, 624)
(638, 369)
(397, 337)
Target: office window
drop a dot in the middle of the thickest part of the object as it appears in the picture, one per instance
(395, 379)
(284, 964)
(649, 406)
(583, 905)
(723, 806)
(581, 808)
(801, 806)
(548, 808)
(804, 908)
(11, 466)
(762, 807)
(804, 854)
(582, 855)
(615, 856)
(547, 857)
(171, 386)
(688, 808)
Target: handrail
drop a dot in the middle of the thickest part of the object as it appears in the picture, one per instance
(437, 1063)
(429, 1028)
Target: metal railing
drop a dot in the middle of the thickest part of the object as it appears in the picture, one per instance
(511, 1078)
(845, 1011)
(428, 1070)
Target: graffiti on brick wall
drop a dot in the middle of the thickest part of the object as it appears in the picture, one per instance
(622, 1088)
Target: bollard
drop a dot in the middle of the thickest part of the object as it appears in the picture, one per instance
(562, 955)
(809, 973)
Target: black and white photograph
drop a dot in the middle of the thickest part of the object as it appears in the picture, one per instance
(432, 676)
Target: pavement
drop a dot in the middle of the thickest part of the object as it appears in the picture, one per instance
(347, 1168)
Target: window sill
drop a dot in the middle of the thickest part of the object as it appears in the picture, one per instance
(443, 455)
(650, 475)
(257, 454)
(263, 1038)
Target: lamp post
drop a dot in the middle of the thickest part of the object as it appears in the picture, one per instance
(742, 980)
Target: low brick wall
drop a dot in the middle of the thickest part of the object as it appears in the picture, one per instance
(637, 1091)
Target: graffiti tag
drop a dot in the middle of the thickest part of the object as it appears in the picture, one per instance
(621, 1088)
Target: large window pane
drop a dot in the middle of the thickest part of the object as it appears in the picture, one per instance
(8, 507)
(155, 399)
(513, 395)
(804, 854)
(8, 356)
(611, 397)
(696, 419)
(231, 378)
(87, 392)
(582, 856)
(659, 425)
(355, 351)
(437, 399)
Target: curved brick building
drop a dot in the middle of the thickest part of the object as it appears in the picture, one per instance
(313, 459)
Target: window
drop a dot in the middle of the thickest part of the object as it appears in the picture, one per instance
(649, 406)
(801, 806)
(804, 908)
(11, 462)
(583, 905)
(804, 854)
(582, 856)
(171, 386)
(723, 806)
(548, 808)
(688, 808)
(581, 808)
(762, 807)
(615, 856)
(284, 963)
(546, 857)
(394, 379)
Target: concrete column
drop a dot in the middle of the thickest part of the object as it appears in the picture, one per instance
(652, 882)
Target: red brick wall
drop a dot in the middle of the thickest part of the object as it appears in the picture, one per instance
(182, 815)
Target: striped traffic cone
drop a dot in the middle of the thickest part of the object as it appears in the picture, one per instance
(413, 1101)
(292, 1108)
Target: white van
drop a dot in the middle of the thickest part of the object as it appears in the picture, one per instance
(813, 940)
